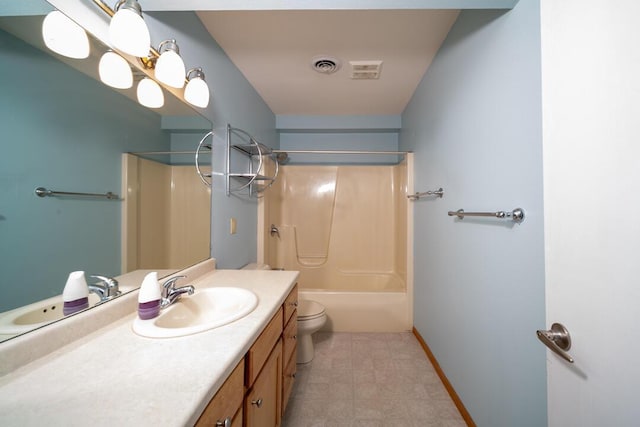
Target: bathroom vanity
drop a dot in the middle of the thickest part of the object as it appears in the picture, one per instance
(241, 372)
(266, 373)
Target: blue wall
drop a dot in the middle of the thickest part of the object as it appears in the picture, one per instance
(474, 124)
(64, 131)
(234, 101)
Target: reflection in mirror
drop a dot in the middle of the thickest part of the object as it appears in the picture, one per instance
(64, 130)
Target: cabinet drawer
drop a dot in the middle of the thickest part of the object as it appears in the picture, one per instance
(291, 303)
(288, 376)
(227, 400)
(260, 350)
(290, 338)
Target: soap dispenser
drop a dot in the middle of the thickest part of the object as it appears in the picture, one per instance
(149, 297)
(75, 295)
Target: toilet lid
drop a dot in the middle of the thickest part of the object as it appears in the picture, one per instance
(309, 308)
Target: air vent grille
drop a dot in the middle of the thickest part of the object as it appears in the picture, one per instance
(325, 64)
(365, 70)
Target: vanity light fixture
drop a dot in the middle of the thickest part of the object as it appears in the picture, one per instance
(197, 91)
(64, 36)
(114, 71)
(169, 67)
(149, 93)
(127, 29)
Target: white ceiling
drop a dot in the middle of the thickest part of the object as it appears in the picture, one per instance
(274, 50)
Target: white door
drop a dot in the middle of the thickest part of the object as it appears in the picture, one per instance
(591, 140)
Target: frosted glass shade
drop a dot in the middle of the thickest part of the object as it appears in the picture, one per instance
(170, 69)
(114, 71)
(197, 92)
(129, 33)
(150, 94)
(64, 36)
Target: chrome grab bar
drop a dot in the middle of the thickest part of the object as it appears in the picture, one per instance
(517, 215)
(558, 340)
(438, 193)
(43, 192)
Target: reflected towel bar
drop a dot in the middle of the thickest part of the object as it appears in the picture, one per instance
(43, 192)
(517, 215)
(438, 193)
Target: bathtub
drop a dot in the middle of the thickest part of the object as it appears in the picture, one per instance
(363, 311)
(362, 302)
(357, 301)
(356, 311)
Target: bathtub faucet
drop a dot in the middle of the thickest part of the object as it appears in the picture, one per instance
(274, 230)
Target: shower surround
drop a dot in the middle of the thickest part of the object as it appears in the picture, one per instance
(346, 229)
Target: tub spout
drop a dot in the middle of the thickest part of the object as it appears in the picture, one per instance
(274, 230)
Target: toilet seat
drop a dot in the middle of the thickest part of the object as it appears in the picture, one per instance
(309, 310)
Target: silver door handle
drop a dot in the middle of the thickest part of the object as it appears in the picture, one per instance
(558, 340)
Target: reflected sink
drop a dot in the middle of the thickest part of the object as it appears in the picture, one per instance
(206, 309)
(34, 315)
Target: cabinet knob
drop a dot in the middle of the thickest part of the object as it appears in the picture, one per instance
(293, 375)
(258, 402)
(225, 423)
(294, 337)
(295, 303)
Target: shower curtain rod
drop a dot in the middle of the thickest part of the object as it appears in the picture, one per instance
(163, 152)
(340, 152)
(291, 152)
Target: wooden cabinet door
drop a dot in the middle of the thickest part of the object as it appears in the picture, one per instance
(227, 401)
(263, 403)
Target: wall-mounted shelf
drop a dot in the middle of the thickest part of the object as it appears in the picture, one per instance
(251, 172)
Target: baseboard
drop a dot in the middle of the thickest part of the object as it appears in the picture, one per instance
(447, 385)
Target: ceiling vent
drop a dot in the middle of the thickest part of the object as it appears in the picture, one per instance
(325, 64)
(365, 70)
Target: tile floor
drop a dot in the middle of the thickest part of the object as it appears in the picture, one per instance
(369, 379)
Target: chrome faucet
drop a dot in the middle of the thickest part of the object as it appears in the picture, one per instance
(171, 294)
(106, 290)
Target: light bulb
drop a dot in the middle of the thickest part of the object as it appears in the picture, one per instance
(64, 36)
(150, 94)
(128, 31)
(197, 91)
(170, 68)
(114, 71)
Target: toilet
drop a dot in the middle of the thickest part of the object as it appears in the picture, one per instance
(311, 317)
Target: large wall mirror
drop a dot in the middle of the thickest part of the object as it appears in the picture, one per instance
(64, 130)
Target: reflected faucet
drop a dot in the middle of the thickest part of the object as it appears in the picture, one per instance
(171, 294)
(106, 290)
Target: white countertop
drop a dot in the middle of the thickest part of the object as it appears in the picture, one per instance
(115, 377)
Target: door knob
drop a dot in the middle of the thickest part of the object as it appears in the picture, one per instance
(558, 340)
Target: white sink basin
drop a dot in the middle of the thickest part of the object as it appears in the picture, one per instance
(34, 315)
(207, 308)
